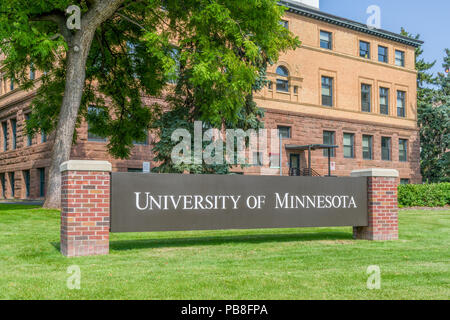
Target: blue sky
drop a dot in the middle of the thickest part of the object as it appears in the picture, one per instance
(430, 19)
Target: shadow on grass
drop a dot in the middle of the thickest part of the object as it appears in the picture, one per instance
(121, 245)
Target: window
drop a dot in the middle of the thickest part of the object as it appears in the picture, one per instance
(285, 24)
(385, 148)
(329, 138)
(94, 111)
(367, 143)
(295, 89)
(327, 91)
(14, 133)
(284, 132)
(366, 98)
(5, 135)
(26, 178)
(405, 181)
(32, 72)
(364, 49)
(401, 103)
(143, 142)
(29, 137)
(399, 58)
(41, 182)
(270, 85)
(384, 101)
(382, 54)
(283, 84)
(403, 150)
(11, 84)
(257, 159)
(3, 183)
(12, 183)
(349, 145)
(43, 137)
(326, 40)
(274, 160)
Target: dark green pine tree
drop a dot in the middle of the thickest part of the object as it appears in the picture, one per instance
(425, 79)
(434, 122)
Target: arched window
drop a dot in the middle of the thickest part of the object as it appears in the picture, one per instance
(283, 79)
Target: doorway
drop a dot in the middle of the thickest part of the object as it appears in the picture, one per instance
(294, 164)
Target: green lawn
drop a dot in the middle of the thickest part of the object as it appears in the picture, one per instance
(259, 264)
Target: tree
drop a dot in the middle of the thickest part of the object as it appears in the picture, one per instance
(124, 50)
(434, 122)
(425, 79)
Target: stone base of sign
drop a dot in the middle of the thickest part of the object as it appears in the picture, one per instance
(85, 208)
(382, 205)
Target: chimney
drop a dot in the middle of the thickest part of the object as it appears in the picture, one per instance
(311, 3)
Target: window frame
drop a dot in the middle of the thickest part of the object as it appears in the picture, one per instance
(402, 60)
(401, 112)
(330, 87)
(403, 142)
(385, 56)
(90, 136)
(387, 100)
(329, 42)
(333, 142)
(389, 148)
(370, 147)
(285, 127)
(352, 136)
(282, 84)
(367, 51)
(5, 135)
(369, 98)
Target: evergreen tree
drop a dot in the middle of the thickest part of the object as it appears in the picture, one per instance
(434, 122)
(425, 79)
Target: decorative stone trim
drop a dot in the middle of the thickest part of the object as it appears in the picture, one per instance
(86, 165)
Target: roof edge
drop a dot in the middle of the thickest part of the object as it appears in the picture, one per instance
(313, 13)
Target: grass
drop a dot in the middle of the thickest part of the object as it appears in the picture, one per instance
(314, 263)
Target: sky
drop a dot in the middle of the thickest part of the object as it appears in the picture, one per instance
(430, 19)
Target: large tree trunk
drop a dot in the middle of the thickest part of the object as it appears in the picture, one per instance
(75, 80)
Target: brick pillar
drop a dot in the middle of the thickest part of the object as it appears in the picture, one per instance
(85, 207)
(382, 205)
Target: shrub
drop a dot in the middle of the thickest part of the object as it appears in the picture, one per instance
(424, 195)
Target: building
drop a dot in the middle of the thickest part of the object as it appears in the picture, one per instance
(348, 85)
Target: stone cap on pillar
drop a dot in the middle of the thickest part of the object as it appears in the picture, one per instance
(375, 172)
(86, 165)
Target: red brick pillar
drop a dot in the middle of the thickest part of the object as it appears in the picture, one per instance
(85, 207)
(382, 205)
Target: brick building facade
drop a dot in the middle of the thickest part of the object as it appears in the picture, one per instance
(347, 85)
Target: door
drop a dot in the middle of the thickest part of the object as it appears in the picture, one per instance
(294, 164)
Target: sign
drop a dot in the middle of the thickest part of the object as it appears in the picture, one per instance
(333, 166)
(175, 202)
(146, 167)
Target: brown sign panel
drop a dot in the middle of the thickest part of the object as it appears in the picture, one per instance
(172, 202)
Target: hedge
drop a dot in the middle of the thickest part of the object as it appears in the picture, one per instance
(424, 195)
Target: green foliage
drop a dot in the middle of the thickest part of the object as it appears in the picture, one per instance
(434, 122)
(424, 195)
(221, 46)
(425, 79)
